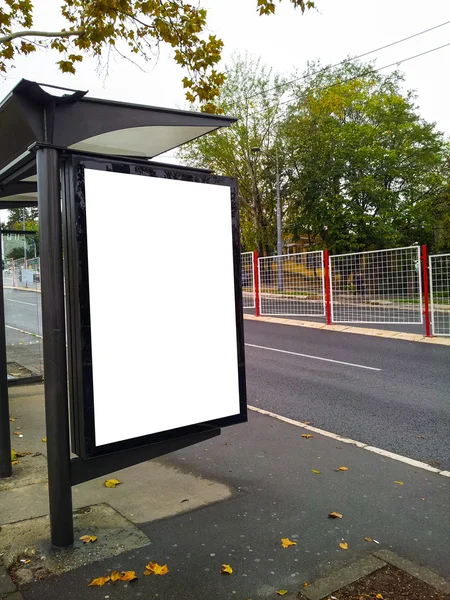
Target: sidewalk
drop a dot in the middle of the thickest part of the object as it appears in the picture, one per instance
(264, 489)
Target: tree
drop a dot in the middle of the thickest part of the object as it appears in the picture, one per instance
(137, 26)
(365, 170)
(252, 93)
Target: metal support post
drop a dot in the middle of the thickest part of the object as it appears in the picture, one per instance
(54, 343)
(326, 267)
(426, 308)
(256, 282)
(5, 435)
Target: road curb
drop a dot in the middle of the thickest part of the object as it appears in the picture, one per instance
(323, 588)
(392, 335)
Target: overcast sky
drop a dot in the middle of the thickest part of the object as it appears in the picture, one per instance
(285, 41)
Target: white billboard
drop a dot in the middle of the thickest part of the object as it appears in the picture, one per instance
(162, 304)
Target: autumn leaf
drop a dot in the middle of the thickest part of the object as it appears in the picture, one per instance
(22, 454)
(130, 576)
(399, 482)
(14, 463)
(335, 515)
(307, 422)
(305, 584)
(13, 455)
(88, 538)
(343, 545)
(368, 539)
(420, 437)
(315, 471)
(226, 569)
(286, 542)
(155, 569)
(379, 597)
(282, 592)
(112, 483)
(12, 419)
(342, 469)
(116, 576)
(307, 435)
(100, 581)
(17, 432)
(44, 440)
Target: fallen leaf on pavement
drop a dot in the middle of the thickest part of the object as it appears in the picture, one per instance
(129, 576)
(420, 437)
(316, 472)
(13, 455)
(17, 432)
(379, 597)
(116, 576)
(14, 463)
(368, 539)
(305, 584)
(88, 538)
(282, 592)
(100, 581)
(22, 454)
(307, 422)
(286, 542)
(342, 469)
(12, 419)
(399, 482)
(343, 546)
(335, 515)
(226, 569)
(112, 483)
(307, 435)
(155, 569)
(44, 440)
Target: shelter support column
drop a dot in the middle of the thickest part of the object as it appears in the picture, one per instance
(54, 343)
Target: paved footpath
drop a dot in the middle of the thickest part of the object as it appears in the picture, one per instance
(282, 485)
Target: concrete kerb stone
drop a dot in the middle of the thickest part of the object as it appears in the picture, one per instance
(7, 586)
(323, 588)
(394, 335)
(417, 571)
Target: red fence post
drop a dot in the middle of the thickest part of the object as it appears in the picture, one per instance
(326, 266)
(256, 282)
(426, 303)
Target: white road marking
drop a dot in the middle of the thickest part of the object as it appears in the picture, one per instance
(339, 362)
(23, 331)
(398, 457)
(20, 302)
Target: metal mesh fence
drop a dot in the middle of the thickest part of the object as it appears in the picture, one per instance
(381, 286)
(440, 293)
(292, 284)
(248, 279)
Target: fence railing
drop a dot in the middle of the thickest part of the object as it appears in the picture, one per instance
(374, 287)
(440, 293)
(292, 284)
(381, 286)
(248, 279)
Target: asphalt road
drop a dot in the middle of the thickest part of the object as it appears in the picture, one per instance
(408, 397)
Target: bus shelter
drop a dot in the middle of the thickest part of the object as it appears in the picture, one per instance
(134, 373)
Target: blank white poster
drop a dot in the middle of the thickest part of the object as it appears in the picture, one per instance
(162, 305)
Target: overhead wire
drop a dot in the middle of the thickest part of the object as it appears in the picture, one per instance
(343, 62)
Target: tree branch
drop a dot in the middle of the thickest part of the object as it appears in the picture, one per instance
(52, 34)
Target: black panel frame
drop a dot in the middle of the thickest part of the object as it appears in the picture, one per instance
(78, 308)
